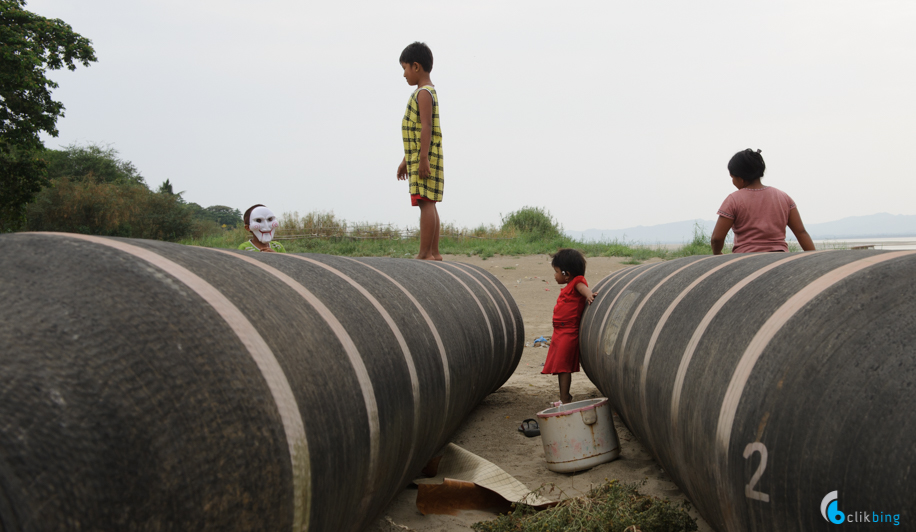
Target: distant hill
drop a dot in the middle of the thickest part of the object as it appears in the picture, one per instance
(670, 233)
(872, 226)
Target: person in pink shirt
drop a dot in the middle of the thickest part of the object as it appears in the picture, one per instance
(758, 215)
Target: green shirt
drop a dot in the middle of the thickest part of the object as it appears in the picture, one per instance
(274, 245)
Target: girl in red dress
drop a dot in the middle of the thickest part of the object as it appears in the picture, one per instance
(563, 355)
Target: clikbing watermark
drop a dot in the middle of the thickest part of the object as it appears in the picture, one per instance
(831, 511)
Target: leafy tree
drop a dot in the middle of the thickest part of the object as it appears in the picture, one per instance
(22, 174)
(220, 216)
(109, 209)
(224, 215)
(30, 45)
(93, 191)
(92, 162)
(166, 188)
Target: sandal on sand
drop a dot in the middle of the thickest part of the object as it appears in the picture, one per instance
(529, 428)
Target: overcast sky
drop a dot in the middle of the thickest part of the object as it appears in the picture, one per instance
(610, 114)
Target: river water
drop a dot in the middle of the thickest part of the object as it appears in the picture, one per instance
(892, 243)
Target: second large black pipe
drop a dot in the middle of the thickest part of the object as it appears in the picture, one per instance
(777, 389)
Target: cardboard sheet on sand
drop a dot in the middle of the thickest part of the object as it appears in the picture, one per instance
(458, 480)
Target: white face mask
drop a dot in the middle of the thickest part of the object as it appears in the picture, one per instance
(263, 224)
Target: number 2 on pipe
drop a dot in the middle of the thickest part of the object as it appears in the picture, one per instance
(749, 490)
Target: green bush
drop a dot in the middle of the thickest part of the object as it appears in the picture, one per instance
(532, 222)
(108, 209)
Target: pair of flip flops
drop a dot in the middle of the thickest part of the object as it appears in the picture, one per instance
(529, 428)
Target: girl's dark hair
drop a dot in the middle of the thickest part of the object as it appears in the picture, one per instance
(747, 164)
(571, 261)
(418, 52)
(247, 217)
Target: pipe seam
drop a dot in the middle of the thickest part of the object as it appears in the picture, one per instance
(353, 355)
(495, 305)
(713, 311)
(429, 322)
(405, 350)
(650, 348)
(483, 311)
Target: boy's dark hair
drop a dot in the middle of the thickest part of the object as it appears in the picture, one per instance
(747, 164)
(571, 261)
(418, 52)
(247, 217)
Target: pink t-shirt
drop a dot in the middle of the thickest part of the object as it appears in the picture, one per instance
(761, 216)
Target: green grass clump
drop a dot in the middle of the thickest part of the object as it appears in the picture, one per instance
(699, 245)
(230, 238)
(610, 507)
(535, 222)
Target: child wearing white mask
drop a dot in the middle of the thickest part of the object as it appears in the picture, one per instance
(262, 224)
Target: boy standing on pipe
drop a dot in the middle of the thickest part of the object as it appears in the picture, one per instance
(422, 164)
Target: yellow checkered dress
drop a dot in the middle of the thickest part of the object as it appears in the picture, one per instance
(432, 187)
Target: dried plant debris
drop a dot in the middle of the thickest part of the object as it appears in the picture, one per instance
(610, 507)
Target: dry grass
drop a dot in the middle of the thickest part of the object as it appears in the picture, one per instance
(610, 507)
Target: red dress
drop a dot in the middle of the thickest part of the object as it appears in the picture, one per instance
(563, 355)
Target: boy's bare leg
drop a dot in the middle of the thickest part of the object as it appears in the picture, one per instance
(565, 381)
(434, 248)
(428, 223)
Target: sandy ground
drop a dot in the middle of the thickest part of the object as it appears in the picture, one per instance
(491, 430)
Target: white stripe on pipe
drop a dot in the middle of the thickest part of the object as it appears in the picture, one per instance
(461, 267)
(515, 338)
(687, 357)
(429, 322)
(262, 355)
(626, 334)
(610, 276)
(359, 368)
(598, 289)
(622, 289)
(405, 350)
(502, 321)
(661, 324)
(769, 329)
(479, 304)
(601, 292)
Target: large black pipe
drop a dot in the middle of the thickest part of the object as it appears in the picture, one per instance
(765, 382)
(153, 386)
